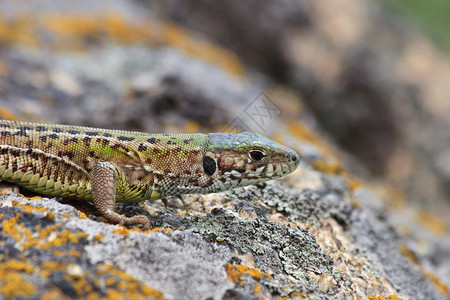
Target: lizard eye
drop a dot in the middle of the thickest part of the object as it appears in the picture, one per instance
(209, 165)
(256, 155)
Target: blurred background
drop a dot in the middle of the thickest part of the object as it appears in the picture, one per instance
(363, 85)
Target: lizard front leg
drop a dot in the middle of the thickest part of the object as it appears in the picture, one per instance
(103, 180)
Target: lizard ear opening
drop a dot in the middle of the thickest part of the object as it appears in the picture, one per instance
(209, 165)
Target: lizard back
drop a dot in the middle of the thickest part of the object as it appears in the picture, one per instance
(57, 160)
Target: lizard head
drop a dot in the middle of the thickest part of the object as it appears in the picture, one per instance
(240, 159)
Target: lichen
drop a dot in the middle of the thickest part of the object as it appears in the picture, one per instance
(293, 250)
(75, 32)
(441, 287)
(235, 273)
(12, 283)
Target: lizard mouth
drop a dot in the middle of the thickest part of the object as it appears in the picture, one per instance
(293, 160)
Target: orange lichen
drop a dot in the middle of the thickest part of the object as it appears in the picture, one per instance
(353, 184)
(74, 253)
(18, 30)
(31, 198)
(77, 31)
(110, 281)
(126, 232)
(157, 229)
(99, 237)
(49, 267)
(333, 168)
(179, 38)
(123, 231)
(293, 295)
(235, 273)
(71, 252)
(53, 293)
(390, 297)
(127, 286)
(119, 29)
(256, 289)
(62, 238)
(19, 232)
(409, 254)
(14, 265)
(12, 284)
(191, 126)
(47, 238)
(432, 223)
(9, 115)
(59, 253)
(443, 288)
(433, 278)
(302, 131)
(83, 215)
(72, 25)
(28, 209)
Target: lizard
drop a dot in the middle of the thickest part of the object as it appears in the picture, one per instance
(106, 166)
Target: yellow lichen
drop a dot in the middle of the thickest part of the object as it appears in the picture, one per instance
(47, 238)
(99, 237)
(191, 126)
(126, 285)
(432, 223)
(13, 286)
(433, 278)
(32, 198)
(18, 30)
(179, 38)
(80, 26)
(302, 131)
(110, 281)
(26, 208)
(76, 32)
(122, 230)
(235, 272)
(256, 289)
(8, 114)
(49, 267)
(120, 29)
(157, 229)
(74, 253)
(126, 232)
(53, 293)
(62, 238)
(19, 232)
(14, 265)
(293, 295)
(390, 297)
(442, 287)
(353, 184)
(59, 253)
(333, 167)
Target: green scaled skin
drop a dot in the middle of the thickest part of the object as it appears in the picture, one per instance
(105, 166)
